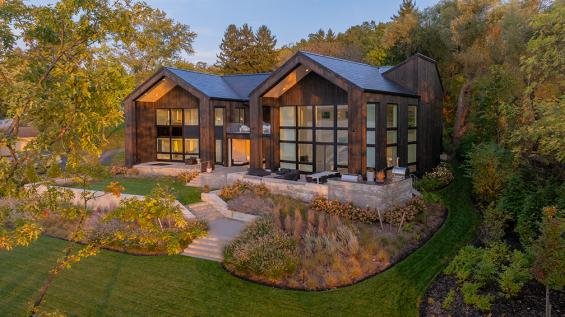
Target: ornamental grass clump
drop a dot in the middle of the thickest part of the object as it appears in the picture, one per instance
(262, 250)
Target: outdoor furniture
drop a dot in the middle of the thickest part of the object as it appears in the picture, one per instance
(191, 161)
(258, 172)
(290, 175)
(282, 171)
(321, 177)
(351, 178)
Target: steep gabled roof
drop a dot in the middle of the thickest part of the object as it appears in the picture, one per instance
(364, 76)
(233, 87)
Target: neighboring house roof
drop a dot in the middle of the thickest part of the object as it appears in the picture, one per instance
(24, 131)
(361, 75)
(235, 87)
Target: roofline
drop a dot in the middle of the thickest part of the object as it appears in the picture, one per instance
(424, 57)
(301, 53)
(391, 93)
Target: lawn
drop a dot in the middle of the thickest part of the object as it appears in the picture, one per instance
(142, 186)
(114, 284)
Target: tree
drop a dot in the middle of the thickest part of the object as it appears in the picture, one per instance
(549, 254)
(265, 50)
(67, 79)
(539, 130)
(157, 41)
(243, 51)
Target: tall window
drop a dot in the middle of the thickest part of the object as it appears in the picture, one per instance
(371, 134)
(391, 134)
(218, 117)
(239, 115)
(172, 140)
(412, 136)
(314, 138)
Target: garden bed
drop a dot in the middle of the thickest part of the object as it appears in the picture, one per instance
(529, 302)
(323, 245)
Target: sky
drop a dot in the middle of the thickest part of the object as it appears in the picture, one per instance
(289, 20)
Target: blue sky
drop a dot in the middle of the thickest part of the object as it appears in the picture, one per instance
(289, 20)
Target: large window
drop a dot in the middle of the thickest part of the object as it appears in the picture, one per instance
(314, 138)
(218, 117)
(391, 134)
(371, 134)
(173, 142)
(412, 136)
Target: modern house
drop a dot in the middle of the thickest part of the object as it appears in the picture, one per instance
(314, 113)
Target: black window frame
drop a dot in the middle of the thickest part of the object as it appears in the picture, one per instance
(392, 129)
(314, 128)
(170, 136)
(412, 128)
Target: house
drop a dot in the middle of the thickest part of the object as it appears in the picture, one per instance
(26, 134)
(314, 113)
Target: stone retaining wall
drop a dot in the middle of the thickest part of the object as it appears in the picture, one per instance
(219, 204)
(299, 190)
(372, 195)
(360, 194)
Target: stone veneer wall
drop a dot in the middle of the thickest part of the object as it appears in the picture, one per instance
(360, 194)
(299, 190)
(372, 195)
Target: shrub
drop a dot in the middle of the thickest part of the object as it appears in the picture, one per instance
(187, 176)
(118, 170)
(471, 296)
(515, 275)
(476, 267)
(449, 298)
(489, 168)
(231, 191)
(436, 179)
(261, 250)
(494, 224)
(409, 211)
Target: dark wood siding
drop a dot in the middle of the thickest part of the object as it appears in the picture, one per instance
(420, 74)
(146, 132)
(313, 90)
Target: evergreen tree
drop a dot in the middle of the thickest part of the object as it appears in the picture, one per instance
(266, 53)
(230, 49)
(243, 51)
(407, 7)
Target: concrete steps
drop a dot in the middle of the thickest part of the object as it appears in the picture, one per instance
(195, 182)
(209, 248)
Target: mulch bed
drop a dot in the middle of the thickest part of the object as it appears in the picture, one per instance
(529, 303)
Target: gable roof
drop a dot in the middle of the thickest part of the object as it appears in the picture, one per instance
(233, 87)
(364, 76)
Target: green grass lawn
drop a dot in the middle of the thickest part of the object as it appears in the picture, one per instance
(142, 186)
(114, 284)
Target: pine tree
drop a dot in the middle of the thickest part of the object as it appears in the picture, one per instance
(243, 51)
(265, 52)
(407, 7)
(230, 49)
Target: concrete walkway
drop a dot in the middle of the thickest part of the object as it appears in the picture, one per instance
(221, 230)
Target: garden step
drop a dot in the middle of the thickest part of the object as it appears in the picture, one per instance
(205, 246)
(204, 256)
(205, 250)
(209, 243)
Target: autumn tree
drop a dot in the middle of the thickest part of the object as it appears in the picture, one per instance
(549, 254)
(67, 77)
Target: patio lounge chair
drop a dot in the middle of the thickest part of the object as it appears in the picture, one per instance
(258, 172)
(288, 174)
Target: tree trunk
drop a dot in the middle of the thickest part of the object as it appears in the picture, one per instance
(547, 303)
(461, 114)
(42, 293)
